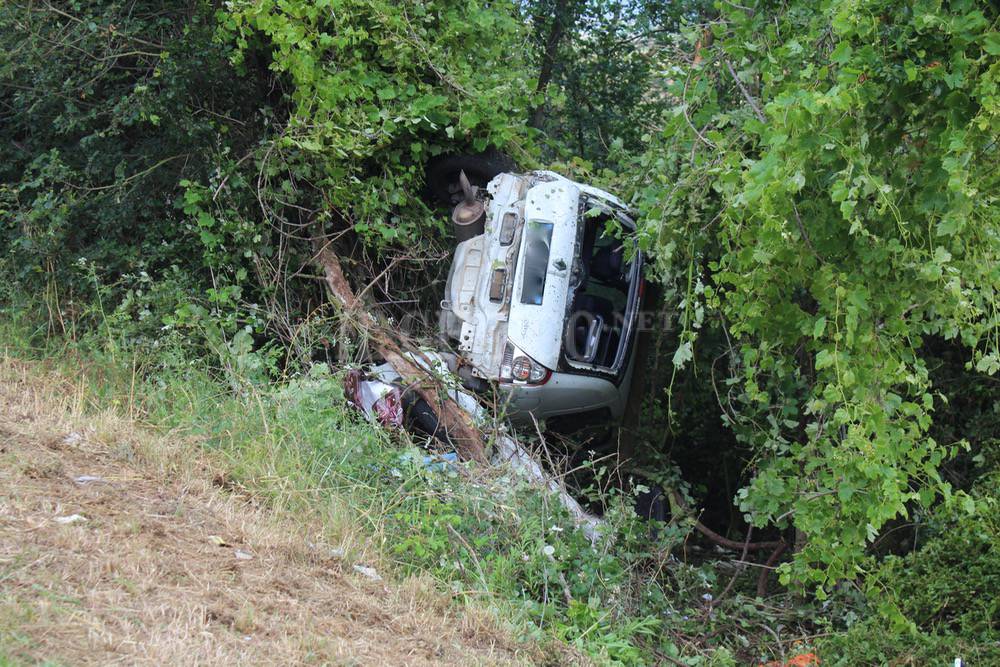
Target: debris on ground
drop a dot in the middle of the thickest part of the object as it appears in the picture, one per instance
(72, 518)
(379, 401)
(84, 480)
(506, 450)
(368, 572)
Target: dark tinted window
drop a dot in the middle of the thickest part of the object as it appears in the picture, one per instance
(538, 241)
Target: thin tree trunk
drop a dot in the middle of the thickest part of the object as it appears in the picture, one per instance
(457, 423)
(557, 30)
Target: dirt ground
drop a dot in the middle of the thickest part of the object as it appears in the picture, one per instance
(118, 546)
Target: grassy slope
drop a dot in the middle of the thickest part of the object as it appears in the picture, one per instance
(283, 472)
(490, 541)
(145, 579)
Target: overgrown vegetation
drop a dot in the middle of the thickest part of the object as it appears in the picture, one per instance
(492, 540)
(826, 185)
(817, 187)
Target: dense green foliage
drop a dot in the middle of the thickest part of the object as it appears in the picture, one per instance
(818, 190)
(944, 590)
(378, 88)
(826, 190)
(104, 111)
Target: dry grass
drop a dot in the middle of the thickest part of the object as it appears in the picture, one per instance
(152, 575)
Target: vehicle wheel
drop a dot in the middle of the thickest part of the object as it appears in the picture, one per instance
(421, 417)
(442, 173)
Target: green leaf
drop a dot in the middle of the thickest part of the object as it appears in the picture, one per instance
(819, 326)
(842, 53)
(991, 43)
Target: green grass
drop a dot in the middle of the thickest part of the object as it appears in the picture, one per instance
(485, 537)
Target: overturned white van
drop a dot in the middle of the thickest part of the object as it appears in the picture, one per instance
(543, 296)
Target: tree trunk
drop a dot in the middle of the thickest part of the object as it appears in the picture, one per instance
(457, 423)
(560, 20)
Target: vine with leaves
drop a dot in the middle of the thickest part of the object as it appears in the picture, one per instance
(825, 192)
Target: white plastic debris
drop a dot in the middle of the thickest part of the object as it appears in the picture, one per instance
(84, 480)
(72, 438)
(378, 400)
(242, 555)
(368, 572)
(511, 452)
(72, 518)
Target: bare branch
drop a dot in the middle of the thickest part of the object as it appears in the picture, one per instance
(746, 93)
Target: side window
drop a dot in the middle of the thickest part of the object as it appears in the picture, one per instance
(538, 243)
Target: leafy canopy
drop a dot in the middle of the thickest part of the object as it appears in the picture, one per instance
(378, 87)
(825, 190)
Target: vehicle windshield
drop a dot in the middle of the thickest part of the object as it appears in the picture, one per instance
(600, 292)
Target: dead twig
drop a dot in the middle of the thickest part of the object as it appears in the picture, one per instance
(746, 93)
(768, 566)
(457, 423)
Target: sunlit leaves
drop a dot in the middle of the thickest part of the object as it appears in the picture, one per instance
(859, 219)
(379, 87)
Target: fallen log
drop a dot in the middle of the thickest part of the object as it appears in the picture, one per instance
(678, 506)
(456, 423)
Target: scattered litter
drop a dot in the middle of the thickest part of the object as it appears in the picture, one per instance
(549, 550)
(337, 552)
(368, 572)
(72, 438)
(243, 555)
(441, 462)
(436, 462)
(84, 480)
(378, 400)
(72, 518)
(218, 541)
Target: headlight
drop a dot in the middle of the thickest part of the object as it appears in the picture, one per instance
(519, 368)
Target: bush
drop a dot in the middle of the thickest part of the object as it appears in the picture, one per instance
(940, 600)
(824, 194)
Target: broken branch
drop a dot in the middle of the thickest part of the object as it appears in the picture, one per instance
(457, 423)
(677, 503)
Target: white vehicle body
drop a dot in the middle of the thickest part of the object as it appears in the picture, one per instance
(544, 302)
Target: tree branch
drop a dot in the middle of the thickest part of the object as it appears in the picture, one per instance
(746, 93)
(456, 423)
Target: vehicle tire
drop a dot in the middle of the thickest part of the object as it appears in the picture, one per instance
(422, 418)
(442, 174)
